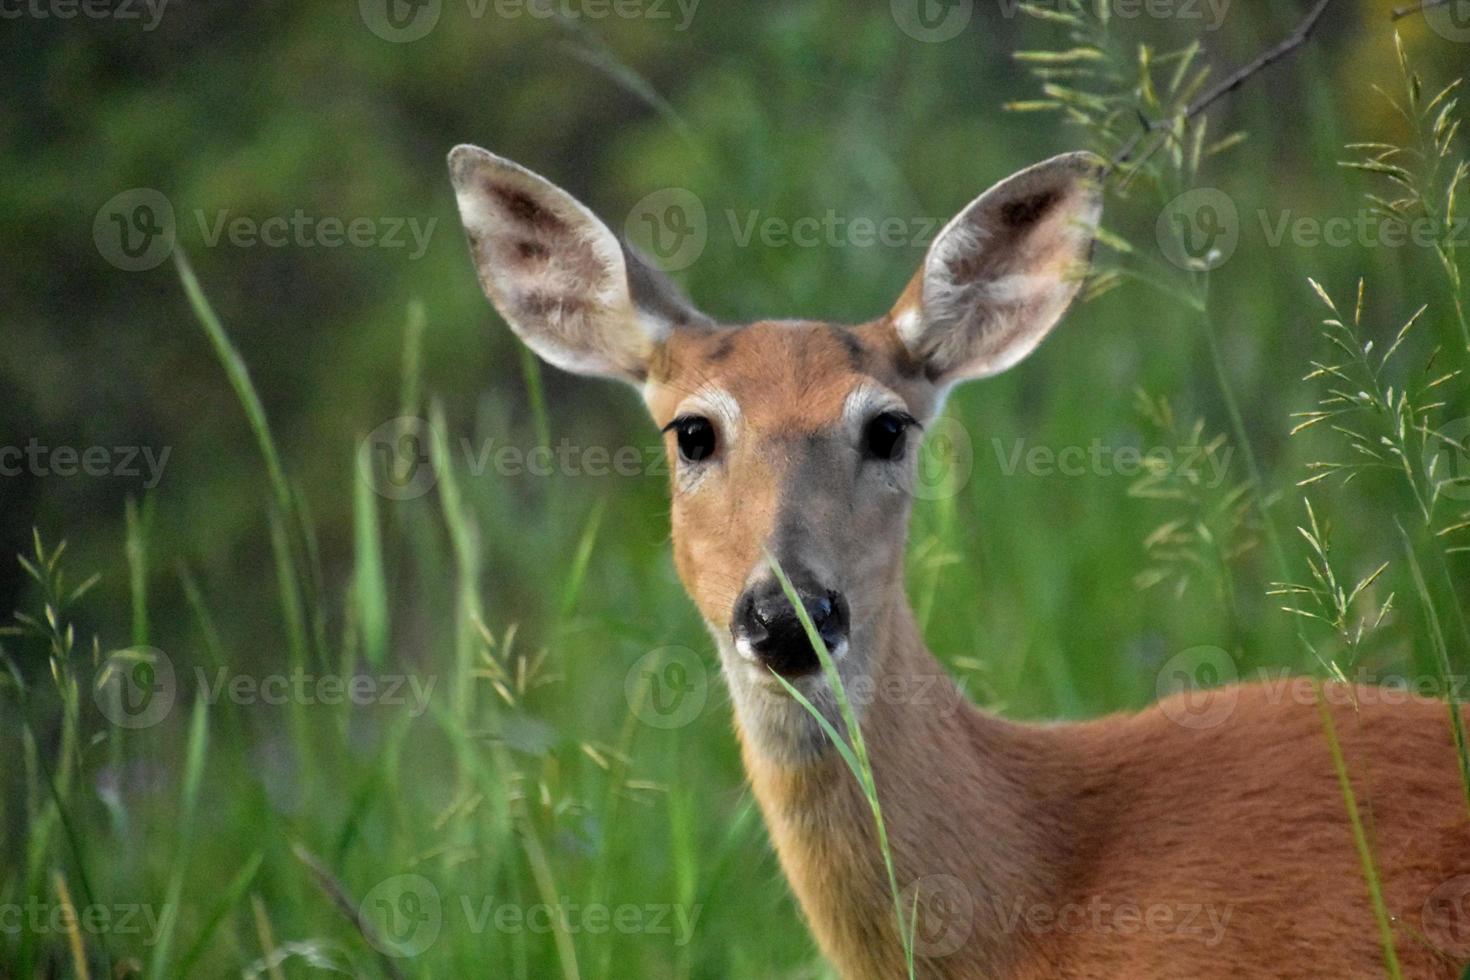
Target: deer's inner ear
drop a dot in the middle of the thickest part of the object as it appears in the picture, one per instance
(1002, 273)
(562, 280)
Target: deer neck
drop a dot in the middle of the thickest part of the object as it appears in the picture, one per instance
(963, 795)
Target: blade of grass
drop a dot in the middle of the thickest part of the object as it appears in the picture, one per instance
(684, 854)
(239, 378)
(207, 629)
(545, 880)
(412, 374)
(73, 936)
(231, 897)
(295, 557)
(583, 557)
(347, 905)
(370, 587)
(856, 755)
(1442, 662)
(266, 938)
(136, 550)
(294, 619)
(617, 774)
(184, 832)
(464, 537)
(531, 372)
(1360, 837)
(53, 811)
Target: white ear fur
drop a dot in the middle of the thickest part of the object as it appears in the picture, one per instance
(558, 275)
(1000, 275)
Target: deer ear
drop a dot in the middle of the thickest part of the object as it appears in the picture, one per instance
(563, 281)
(1001, 274)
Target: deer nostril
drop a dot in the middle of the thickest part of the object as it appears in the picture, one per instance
(750, 619)
(820, 610)
(833, 624)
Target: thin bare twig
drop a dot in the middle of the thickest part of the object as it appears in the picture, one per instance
(1416, 8)
(1292, 41)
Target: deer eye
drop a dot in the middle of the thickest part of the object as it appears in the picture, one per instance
(696, 437)
(886, 436)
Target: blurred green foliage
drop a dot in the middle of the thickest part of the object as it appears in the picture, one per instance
(1028, 581)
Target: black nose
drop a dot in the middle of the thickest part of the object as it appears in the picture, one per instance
(765, 620)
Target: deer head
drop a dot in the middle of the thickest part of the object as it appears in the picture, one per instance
(793, 438)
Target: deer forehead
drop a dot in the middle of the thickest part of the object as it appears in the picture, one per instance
(785, 377)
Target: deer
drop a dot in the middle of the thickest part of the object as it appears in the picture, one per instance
(1131, 845)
